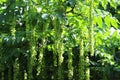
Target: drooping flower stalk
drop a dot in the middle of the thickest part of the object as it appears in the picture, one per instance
(55, 53)
(30, 35)
(87, 69)
(91, 32)
(16, 70)
(91, 15)
(58, 56)
(70, 67)
(42, 45)
(60, 60)
(70, 60)
(41, 51)
(81, 58)
(29, 75)
(32, 51)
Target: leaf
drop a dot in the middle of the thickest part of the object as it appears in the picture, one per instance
(113, 4)
(98, 20)
(114, 22)
(107, 21)
(72, 2)
(104, 3)
(115, 34)
(1, 1)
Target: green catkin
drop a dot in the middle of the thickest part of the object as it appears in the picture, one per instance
(41, 49)
(91, 15)
(55, 53)
(29, 62)
(70, 61)
(60, 42)
(60, 60)
(58, 46)
(32, 52)
(70, 67)
(55, 49)
(30, 36)
(29, 75)
(58, 56)
(60, 52)
(55, 45)
(29, 67)
(16, 70)
(81, 58)
(87, 70)
(13, 30)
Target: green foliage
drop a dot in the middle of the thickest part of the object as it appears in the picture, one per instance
(54, 39)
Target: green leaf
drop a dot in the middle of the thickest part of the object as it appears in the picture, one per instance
(114, 22)
(104, 3)
(98, 20)
(107, 21)
(115, 34)
(1, 1)
(113, 4)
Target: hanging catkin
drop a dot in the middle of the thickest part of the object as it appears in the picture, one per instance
(91, 15)
(70, 67)
(59, 50)
(81, 57)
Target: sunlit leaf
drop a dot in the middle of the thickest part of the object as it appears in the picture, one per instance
(107, 21)
(114, 22)
(1, 1)
(99, 21)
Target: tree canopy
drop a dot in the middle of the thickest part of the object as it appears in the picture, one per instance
(59, 39)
